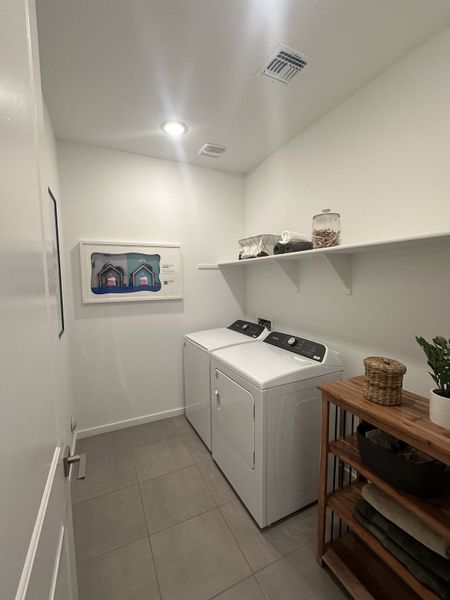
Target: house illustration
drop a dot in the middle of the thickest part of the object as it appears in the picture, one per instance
(111, 276)
(142, 275)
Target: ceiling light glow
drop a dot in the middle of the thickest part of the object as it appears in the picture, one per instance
(174, 128)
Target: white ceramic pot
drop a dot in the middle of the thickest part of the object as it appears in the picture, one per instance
(439, 409)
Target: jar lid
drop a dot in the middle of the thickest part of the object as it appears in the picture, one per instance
(327, 212)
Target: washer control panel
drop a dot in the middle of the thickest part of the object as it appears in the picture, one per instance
(247, 328)
(306, 348)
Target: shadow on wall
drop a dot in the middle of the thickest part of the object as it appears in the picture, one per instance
(235, 279)
(394, 297)
(115, 309)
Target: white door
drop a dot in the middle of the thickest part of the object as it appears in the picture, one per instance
(197, 389)
(237, 438)
(233, 420)
(36, 548)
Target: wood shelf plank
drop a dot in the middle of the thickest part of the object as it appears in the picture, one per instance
(435, 512)
(343, 504)
(408, 422)
(362, 572)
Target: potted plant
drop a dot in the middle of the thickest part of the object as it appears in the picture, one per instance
(438, 358)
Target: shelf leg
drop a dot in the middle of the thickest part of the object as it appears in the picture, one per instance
(342, 267)
(323, 481)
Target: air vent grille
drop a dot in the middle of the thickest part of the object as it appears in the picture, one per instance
(284, 64)
(212, 150)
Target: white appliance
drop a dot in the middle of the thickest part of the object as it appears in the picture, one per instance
(197, 376)
(266, 421)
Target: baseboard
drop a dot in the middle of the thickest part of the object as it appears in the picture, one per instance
(90, 431)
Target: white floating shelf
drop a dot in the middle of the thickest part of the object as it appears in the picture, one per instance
(207, 266)
(338, 257)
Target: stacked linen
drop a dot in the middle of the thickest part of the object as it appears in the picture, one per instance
(292, 241)
(407, 521)
(423, 552)
(293, 236)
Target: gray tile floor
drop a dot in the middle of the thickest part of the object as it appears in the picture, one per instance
(156, 520)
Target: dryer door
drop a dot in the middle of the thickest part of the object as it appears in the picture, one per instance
(233, 420)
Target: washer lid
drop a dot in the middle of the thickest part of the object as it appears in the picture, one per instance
(268, 366)
(213, 339)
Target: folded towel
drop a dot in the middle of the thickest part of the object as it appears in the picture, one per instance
(396, 513)
(436, 584)
(279, 248)
(294, 236)
(297, 246)
(430, 560)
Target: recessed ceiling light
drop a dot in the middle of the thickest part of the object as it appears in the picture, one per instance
(174, 128)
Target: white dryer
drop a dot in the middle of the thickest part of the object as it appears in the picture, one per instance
(197, 379)
(266, 413)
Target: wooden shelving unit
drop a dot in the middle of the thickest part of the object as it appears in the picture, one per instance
(436, 512)
(357, 556)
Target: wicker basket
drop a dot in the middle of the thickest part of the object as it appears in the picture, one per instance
(257, 245)
(383, 382)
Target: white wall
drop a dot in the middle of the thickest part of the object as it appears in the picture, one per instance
(381, 159)
(127, 358)
(60, 345)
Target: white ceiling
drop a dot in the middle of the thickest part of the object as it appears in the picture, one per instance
(113, 70)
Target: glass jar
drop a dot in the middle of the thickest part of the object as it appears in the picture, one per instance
(326, 229)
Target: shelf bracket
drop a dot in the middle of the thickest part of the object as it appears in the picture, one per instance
(291, 268)
(342, 267)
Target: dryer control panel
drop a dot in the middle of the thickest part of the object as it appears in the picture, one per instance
(298, 345)
(247, 328)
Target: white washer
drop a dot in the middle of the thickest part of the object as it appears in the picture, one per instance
(197, 378)
(266, 421)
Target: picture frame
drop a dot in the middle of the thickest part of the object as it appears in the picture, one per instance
(130, 272)
(54, 268)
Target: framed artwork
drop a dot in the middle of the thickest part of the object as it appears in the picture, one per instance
(54, 268)
(129, 272)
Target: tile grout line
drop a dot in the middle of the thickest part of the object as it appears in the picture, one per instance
(128, 431)
(74, 504)
(184, 521)
(234, 584)
(130, 447)
(193, 464)
(206, 483)
(252, 574)
(136, 483)
(230, 530)
(217, 507)
(282, 557)
(237, 543)
(83, 562)
(169, 437)
(148, 534)
(139, 481)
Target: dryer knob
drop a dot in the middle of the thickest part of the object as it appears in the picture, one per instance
(245, 326)
(292, 341)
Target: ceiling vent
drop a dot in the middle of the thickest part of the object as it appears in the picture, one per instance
(212, 150)
(284, 64)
